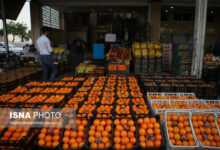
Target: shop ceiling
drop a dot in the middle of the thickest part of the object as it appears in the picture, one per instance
(114, 5)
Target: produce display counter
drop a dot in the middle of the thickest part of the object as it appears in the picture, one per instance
(113, 112)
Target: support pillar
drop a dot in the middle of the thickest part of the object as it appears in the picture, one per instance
(5, 27)
(154, 21)
(36, 17)
(199, 37)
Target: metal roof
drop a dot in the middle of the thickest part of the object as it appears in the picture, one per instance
(12, 8)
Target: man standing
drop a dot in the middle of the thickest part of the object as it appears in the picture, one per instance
(78, 43)
(45, 50)
(216, 50)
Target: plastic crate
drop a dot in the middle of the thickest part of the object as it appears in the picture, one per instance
(214, 105)
(155, 96)
(198, 103)
(159, 110)
(162, 147)
(172, 96)
(203, 147)
(189, 96)
(170, 146)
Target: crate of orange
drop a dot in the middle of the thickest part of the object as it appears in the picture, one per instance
(198, 105)
(18, 136)
(125, 134)
(150, 132)
(206, 129)
(179, 132)
(74, 134)
(180, 105)
(5, 97)
(19, 99)
(159, 106)
(19, 89)
(58, 100)
(155, 96)
(172, 96)
(188, 96)
(213, 104)
(49, 138)
(100, 133)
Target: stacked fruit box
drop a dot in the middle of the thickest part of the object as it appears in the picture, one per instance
(179, 131)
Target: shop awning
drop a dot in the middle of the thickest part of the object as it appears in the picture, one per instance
(12, 8)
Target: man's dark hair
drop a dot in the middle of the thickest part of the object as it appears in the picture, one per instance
(45, 29)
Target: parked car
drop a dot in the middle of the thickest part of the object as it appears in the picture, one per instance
(17, 50)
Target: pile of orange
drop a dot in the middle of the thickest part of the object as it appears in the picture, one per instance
(6, 97)
(85, 109)
(140, 109)
(45, 83)
(136, 94)
(149, 132)
(190, 97)
(92, 100)
(84, 115)
(84, 89)
(122, 94)
(49, 90)
(20, 98)
(171, 97)
(15, 133)
(214, 105)
(122, 88)
(180, 105)
(103, 116)
(71, 84)
(95, 94)
(34, 90)
(49, 137)
(138, 101)
(100, 134)
(124, 133)
(76, 99)
(96, 89)
(19, 89)
(108, 94)
(107, 100)
(155, 97)
(109, 88)
(58, 83)
(67, 79)
(33, 83)
(80, 94)
(198, 105)
(123, 101)
(74, 134)
(106, 109)
(64, 90)
(79, 79)
(206, 129)
(122, 109)
(164, 105)
(55, 98)
(179, 130)
(37, 98)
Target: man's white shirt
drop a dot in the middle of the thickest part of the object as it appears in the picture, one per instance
(43, 45)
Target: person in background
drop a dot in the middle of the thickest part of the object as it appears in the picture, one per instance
(45, 50)
(209, 50)
(216, 50)
(79, 46)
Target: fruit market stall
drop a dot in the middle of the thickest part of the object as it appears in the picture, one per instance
(113, 112)
(148, 57)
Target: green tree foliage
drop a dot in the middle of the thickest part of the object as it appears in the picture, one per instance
(17, 29)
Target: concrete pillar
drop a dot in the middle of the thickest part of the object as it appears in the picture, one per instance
(36, 15)
(154, 21)
(199, 37)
